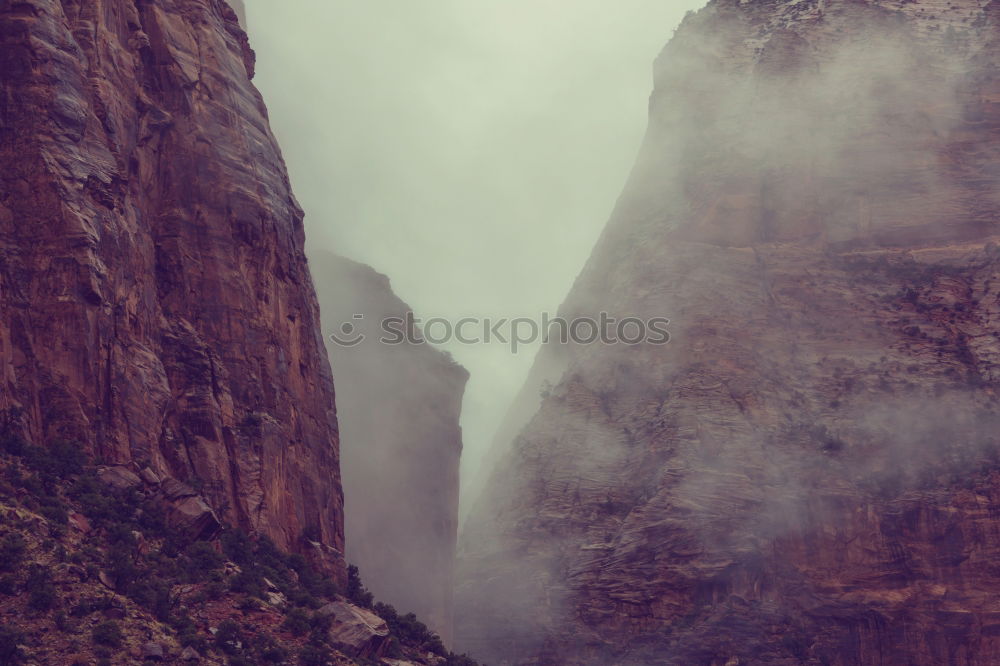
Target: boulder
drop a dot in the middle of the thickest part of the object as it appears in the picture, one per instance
(276, 599)
(105, 579)
(186, 511)
(79, 522)
(118, 477)
(149, 476)
(356, 632)
(116, 610)
(153, 651)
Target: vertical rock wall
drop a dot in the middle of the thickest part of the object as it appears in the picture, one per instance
(807, 472)
(155, 303)
(401, 442)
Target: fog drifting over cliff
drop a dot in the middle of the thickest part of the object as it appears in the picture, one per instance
(470, 150)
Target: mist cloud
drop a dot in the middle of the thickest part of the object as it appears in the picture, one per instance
(470, 150)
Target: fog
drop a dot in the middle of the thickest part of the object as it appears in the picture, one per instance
(472, 151)
(780, 177)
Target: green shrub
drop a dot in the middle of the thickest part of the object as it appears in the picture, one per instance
(62, 622)
(238, 547)
(122, 567)
(297, 622)
(268, 650)
(41, 591)
(250, 604)
(214, 590)
(10, 652)
(204, 559)
(53, 510)
(153, 594)
(153, 518)
(410, 630)
(61, 459)
(247, 582)
(108, 634)
(356, 590)
(320, 624)
(12, 443)
(312, 582)
(314, 655)
(187, 632)
(229, 638)
(301, 597)
(104, 505)
(270, 556)
(12, 549)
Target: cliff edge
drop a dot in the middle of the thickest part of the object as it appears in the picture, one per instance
(155, 303)
(807, 472)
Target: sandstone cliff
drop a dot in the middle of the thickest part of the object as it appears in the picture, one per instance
(401, 445)
(155, 304)
(808, 471)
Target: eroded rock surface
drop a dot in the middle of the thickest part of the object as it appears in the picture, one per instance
(155, 303)
(807, 472)
(355, 631)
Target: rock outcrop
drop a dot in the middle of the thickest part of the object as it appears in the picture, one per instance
(155, 303)
(401, 443)
(355, 631)
(808, 472)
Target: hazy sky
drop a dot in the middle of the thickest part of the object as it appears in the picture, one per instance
(470, 149)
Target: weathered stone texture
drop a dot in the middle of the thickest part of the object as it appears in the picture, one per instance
(807, 472)
(155, 302)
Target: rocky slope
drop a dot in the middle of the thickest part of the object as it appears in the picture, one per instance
(808, 471)
(155, 304)
(91, 572)
(401, 444)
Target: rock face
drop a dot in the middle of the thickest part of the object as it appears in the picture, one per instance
(155, 303)
(808, 471)
(355, 631)
(401, 444)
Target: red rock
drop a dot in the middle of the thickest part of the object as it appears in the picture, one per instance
(152, 651)
(155, 302)
(807, 472)
(149, 477)
(355, 631)
(79, 522)
(192, 517)
(105, 579)
(120, 478)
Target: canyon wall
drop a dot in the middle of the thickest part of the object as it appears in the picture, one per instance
(401, 443)
(155, 303)
(808, 472)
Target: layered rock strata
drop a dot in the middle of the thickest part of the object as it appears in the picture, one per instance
(808, 471)
(155, 303)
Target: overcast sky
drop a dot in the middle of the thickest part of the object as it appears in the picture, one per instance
(469, 149)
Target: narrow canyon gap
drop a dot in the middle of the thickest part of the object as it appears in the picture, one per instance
(471, 151)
